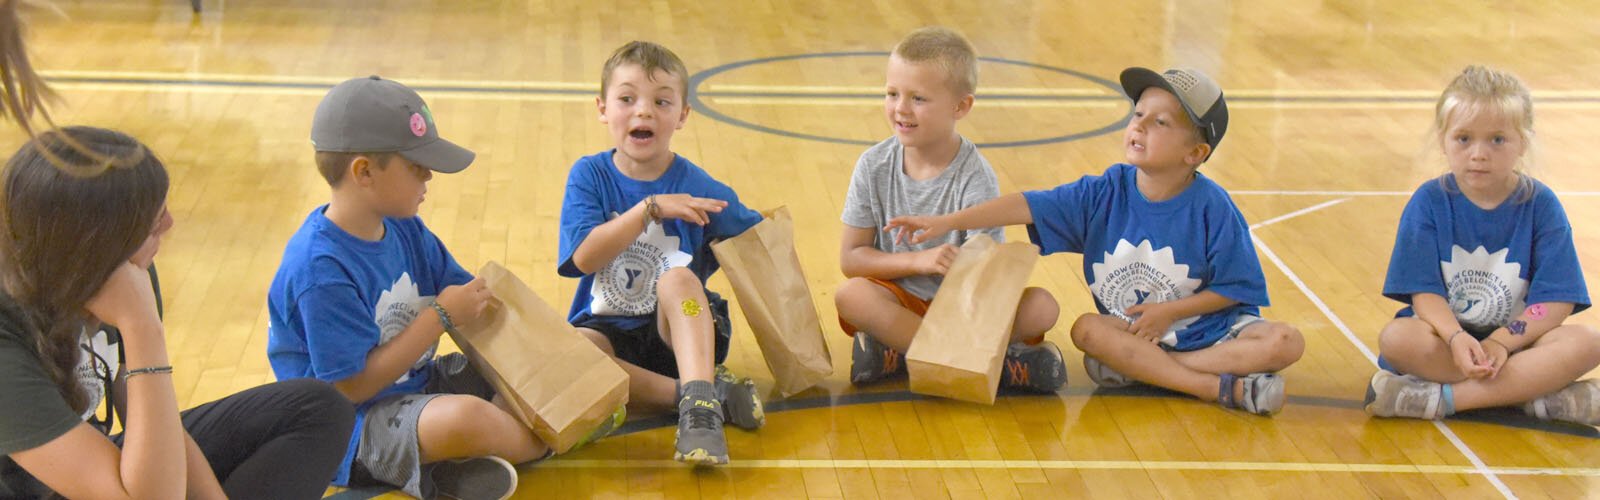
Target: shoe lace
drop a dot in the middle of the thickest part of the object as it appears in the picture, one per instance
(1018, 371)
(701, 418)
(891, 361)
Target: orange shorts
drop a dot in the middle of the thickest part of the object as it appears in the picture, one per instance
(911, 302)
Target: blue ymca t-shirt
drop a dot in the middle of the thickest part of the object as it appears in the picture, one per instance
(1137, 251)
(623, 293)
(336, 297)
(1489, 264)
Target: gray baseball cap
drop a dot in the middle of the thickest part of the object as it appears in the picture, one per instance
(374, 115)
(1200, 95)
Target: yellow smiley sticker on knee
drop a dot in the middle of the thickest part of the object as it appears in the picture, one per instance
(691, 308)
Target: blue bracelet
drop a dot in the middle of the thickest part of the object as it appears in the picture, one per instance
(444, 317)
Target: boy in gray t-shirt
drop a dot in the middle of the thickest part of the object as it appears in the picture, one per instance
(926, 168)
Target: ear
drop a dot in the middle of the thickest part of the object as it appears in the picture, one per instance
(600, 106)
(361, 170)
(1197, 154)
(684, 118)
(964, 106)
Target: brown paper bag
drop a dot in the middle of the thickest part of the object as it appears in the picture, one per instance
(560, 385)
(776, 299)
(961, 345)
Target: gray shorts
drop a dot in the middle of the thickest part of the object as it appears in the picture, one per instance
(1239, 323)
(389, 453)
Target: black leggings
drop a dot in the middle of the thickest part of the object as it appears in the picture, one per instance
(281, 440)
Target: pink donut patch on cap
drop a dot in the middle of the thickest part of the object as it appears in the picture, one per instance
(419, 126)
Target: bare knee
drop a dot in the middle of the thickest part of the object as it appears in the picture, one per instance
(1285, 343)
(853, 296)
(679, 281)
(1084, 331)
(458, 425)
(1591, 340)
(1584, 340)
(1404, 336)
(1037, 313)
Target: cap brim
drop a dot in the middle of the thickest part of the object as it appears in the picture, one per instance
(441, 156)
(1137, 80)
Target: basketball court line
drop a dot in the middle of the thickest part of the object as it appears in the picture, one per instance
(1257, 192)
(1085, 465)
(777, 94)
(1316, 300)
(1297, 213)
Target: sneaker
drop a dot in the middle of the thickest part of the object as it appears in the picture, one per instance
(606, 427)
(1103, 375)
(870, 360)
(699, 437)
(1034, 368)
(486, 478)
(1262, 393)
(1393, 395)
(1578, 402)
(741, 401)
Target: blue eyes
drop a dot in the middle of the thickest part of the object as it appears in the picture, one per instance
(1498, 140)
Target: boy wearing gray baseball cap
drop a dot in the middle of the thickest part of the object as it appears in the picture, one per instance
(364, 292)
(1168, 256)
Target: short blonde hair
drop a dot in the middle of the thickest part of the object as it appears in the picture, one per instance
(946, 48)
(648, 55)
(1478, 89)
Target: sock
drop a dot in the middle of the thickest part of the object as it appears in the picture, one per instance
(1447, 400)
(696, 390)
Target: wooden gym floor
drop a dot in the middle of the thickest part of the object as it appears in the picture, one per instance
(1330, 102)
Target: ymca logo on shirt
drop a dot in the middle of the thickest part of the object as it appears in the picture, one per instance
(627, 286)
(1130, 275)
(1485, 290)
(397, 308)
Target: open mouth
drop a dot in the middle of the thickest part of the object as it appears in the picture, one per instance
(641, 133)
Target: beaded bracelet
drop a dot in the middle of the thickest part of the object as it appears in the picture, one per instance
(1452, 339)
(444, 317)
(651, 209)
(151, 369)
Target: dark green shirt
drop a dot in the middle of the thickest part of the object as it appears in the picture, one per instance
(32, 411)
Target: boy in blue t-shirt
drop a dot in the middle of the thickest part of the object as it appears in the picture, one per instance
(1485, 263)
(1168, 256)
(364, 292)
(637, 224)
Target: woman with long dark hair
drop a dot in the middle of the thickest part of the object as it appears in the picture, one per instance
(82, 214)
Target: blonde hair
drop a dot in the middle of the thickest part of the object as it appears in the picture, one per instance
(1480, 89)
(650, 56)
(946, 48)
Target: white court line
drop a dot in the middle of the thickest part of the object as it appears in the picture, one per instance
(1477, 463)
(875, 91)
(312, 92)
(1297, 213)
(136, 76)
(1260, 192)
(1075, 464)
(877, 102)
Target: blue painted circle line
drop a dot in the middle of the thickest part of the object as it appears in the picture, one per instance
(701, 107)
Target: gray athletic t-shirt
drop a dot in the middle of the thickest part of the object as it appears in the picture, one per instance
(880, 190)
